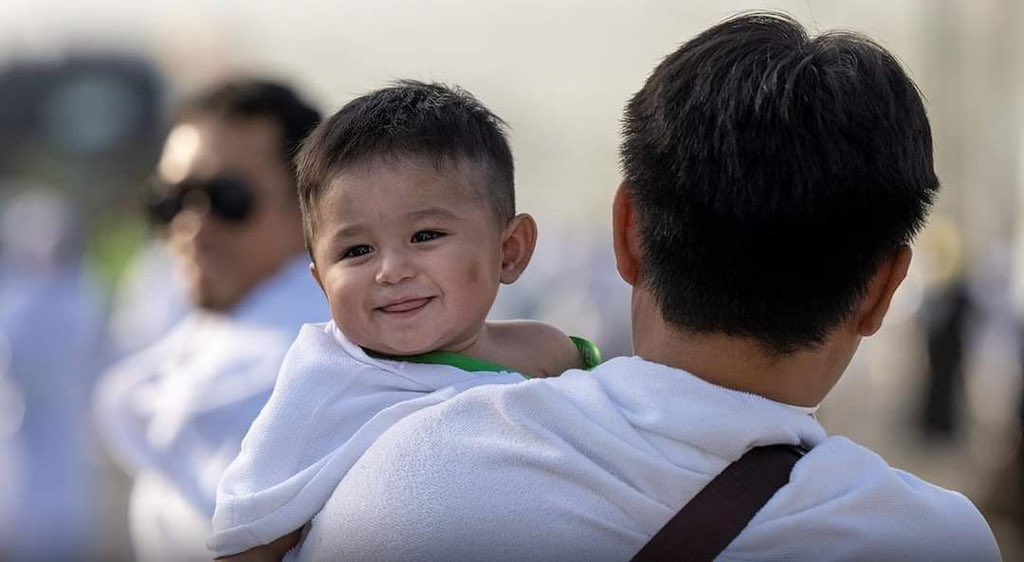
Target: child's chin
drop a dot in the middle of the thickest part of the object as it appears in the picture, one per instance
(408, 348)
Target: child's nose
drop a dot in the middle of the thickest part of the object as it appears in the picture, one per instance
(394, 268)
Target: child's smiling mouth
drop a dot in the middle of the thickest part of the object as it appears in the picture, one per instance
(405, 306)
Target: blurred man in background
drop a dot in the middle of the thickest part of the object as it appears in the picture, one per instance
(174, 414)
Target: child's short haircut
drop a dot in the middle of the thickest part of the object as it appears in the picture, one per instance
(772, 173)
(409, 119)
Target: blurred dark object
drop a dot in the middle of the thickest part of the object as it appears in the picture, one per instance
(1004, 498)
(89, 124)
(947, 315)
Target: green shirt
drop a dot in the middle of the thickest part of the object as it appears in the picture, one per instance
(590, 355)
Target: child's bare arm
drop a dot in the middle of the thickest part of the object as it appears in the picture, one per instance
(272, 552)
(533, 348)
(558, 353)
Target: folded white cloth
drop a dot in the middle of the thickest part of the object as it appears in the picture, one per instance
(330, 403)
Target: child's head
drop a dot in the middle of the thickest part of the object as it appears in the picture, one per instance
(409, 215)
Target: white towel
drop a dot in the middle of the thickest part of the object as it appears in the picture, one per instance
(330, 403)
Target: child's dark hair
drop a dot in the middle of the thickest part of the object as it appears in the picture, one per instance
(408, 119)
(772, 173)
(253, 98)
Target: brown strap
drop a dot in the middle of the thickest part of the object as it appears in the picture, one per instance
(716, 515)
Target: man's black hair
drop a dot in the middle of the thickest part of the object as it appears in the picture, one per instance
(772, 173)
(249, 98)
(409, 119)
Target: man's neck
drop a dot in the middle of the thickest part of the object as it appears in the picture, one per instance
(802, 378)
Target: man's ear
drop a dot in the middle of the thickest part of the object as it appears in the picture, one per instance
(881, 288)
(316, 277)
(626, 235)
(517, 244)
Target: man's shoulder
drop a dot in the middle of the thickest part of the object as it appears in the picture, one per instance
(495, 473)
(868, 509)
(846, 467)
(508, 411)
(150, 355)
(554, 406)
(527, 429)
(217, 350)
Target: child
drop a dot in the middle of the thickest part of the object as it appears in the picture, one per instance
(409, 216)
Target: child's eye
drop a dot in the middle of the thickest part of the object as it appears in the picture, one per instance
(356, 251)
(426, 236)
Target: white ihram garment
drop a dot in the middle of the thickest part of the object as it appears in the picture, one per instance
(589, 465)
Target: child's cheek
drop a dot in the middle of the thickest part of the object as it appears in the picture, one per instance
(473, 273)
(463, 268)
(348, 291)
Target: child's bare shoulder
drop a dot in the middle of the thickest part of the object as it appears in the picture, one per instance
(540, 349)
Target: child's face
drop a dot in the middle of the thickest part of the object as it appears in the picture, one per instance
(408, 256)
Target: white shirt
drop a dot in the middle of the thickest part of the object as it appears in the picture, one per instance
(330, 403)
(589, 466)
(175, 413)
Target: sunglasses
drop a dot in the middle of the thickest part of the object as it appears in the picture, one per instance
(226, 198)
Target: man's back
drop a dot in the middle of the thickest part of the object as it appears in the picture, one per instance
(589, 466)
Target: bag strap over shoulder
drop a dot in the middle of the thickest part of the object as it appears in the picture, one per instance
(722, 509)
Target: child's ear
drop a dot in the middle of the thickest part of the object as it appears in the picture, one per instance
(517, 245)
(316, 277)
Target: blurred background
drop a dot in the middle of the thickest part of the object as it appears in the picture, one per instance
(85, 88)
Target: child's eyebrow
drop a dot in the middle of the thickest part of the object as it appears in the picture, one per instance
(347, 231)
(431, 213)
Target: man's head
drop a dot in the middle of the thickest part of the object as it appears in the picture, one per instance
(771, 175)
(409, 215)
(226, 189)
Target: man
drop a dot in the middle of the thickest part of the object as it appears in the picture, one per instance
(175, 413)
(772, 185)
